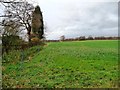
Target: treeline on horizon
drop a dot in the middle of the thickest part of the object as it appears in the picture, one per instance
(81, 38)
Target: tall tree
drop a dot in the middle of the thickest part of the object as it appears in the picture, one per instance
(19, 11)
(37, 23)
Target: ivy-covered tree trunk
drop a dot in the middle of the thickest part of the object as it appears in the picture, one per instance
(37, 23)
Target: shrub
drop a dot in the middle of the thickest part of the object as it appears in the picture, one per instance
(18, 55)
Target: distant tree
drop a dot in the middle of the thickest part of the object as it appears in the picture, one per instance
(37, 22)
(82, 38)
(62, 38)
(90, 37)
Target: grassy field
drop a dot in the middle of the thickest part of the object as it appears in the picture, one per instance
(77, 64)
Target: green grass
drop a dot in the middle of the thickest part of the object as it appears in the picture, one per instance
(77, 64)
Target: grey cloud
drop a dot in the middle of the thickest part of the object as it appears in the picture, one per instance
(74, 18)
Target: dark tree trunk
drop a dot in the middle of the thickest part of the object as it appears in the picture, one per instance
(29, 31)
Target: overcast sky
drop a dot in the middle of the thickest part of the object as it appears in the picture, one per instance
(74, 18)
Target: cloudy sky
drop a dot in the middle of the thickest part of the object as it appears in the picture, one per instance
(74, 18)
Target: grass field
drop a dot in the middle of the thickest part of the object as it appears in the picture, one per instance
(77, 64)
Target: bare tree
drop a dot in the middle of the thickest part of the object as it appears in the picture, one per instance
(19, 11)
(11, 28)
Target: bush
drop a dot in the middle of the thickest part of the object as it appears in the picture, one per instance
(10, 42)
(18, 55)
